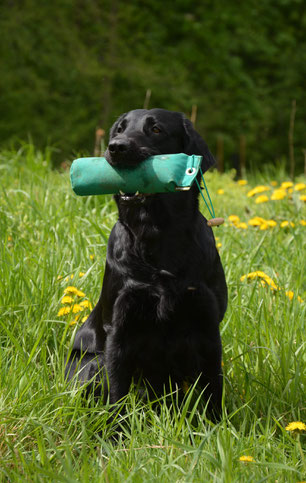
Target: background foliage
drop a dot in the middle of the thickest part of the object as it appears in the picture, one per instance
(69, 65)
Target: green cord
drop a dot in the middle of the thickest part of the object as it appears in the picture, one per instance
(211, 211)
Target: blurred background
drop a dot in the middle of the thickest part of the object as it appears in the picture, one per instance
(69, 68)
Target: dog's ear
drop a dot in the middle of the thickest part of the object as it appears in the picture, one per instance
(194, 144)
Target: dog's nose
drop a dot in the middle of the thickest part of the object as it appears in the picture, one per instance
(123, 151)
(116, 146)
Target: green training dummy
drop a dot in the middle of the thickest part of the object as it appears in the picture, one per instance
(156, 174)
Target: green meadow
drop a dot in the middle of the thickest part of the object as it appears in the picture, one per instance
(52, 240)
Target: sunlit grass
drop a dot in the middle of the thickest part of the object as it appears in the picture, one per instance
(50, 240)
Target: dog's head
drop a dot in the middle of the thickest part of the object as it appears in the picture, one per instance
(141, 133)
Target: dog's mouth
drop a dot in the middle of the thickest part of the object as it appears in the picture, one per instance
(133, 197)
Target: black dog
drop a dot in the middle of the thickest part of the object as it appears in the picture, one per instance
(164, 292)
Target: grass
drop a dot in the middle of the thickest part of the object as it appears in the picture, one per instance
(49, 432)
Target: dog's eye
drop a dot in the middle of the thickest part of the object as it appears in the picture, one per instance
(156, 129)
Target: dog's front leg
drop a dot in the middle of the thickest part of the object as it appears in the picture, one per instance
(118, 368)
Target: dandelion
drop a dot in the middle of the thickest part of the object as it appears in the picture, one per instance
(273, 183)
(81, 274)
(256, 221)
(286, 223)
(264, 278)
(271, 223)
(296, 426)
(92, 257)
(75, 320)
(303, 197)
(219, 245)
(290, 295)
(242, 225)
(261, 199)
(257, 190)
(85, 304)
(68, 278)
(242, 182)
(84, 319)
(220, 191)
(287, 184)
(64, 311)
(67, 299)
(234, 218)
(77, 308)
(262, 223)
(278, 194)
(303, 222)
(74, 290)
(299, 186)
(246, 459)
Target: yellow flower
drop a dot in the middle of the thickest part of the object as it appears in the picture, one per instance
(234, 218)
(303, 222)
(273, 183)
(86, 303)
(297, 426)
(219, 245)
(242, 182)
(74, 290)
(67, 278)
(84, 319)
(262, 223)
(290, 294)
(257, 190)
(300, 186)
(77, 308)
(279, 194)
(262, 275)
(91, 257)
(261, 199)
(246, 459)
(303, 197)
(67, 299)
(64, 311)
(220, 191)
(271, 223)
(256, 221)
(242, 225)
(286, 223)
(81, 274)
(287, 184)
(75, 320)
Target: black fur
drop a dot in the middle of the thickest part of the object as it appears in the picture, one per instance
(164, 293)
